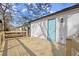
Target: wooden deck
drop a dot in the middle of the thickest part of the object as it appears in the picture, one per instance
(17, 44)
(30, 46)
(26, 47)
(15, 47)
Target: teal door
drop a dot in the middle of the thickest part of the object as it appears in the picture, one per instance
(52, 30)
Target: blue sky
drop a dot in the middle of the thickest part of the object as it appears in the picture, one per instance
(55, 6)
(60, 6)
(20, 6)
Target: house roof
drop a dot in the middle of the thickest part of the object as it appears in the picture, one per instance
(63, 10)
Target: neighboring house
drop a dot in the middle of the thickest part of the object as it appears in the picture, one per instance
(57, 26)
(23, 28)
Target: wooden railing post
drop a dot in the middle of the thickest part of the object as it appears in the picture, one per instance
(69, 47)
(0, 38)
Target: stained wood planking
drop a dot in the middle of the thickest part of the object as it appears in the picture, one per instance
(69, 46)
(14, 48)
(11, 34)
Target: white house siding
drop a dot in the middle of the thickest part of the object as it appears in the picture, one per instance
(39, 29)
(57, 30)
(69, 27)
(61, 29)
(73, 24)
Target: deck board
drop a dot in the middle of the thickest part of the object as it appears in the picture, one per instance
(14, 48)
(28, 46)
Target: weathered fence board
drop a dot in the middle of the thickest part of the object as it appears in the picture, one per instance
(11, 34)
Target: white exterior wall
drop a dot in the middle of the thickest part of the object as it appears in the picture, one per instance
(39, 29)
(61, 29)
(73, 24)
(57, 30)
(69, 27)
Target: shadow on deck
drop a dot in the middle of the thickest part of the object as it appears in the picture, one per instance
(26, 48)
(5, 51)
(5, 48)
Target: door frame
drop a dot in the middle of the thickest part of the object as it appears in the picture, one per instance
(48, 28)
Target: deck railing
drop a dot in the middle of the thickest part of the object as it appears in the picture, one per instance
(2, 39)
(72, 47)
(11, 34)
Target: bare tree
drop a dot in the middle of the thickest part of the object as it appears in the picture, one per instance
(5, 14)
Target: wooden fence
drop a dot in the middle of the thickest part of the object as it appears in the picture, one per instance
(11, 34)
